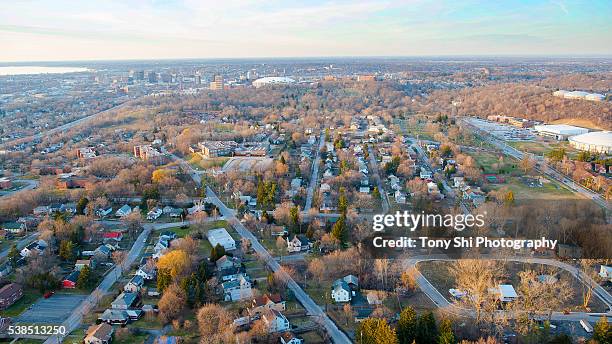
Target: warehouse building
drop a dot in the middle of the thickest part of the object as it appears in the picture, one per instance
(559, 131)
(596, 142)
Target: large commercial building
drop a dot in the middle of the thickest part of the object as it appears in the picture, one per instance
(219, 236)
(579, 95)
(272, 80)
(597, 142)
(559, 131)
(213, 149)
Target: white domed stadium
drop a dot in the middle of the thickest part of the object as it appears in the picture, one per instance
(597, 141)
(272, 80)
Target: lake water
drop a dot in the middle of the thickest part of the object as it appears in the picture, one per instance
(22, 70)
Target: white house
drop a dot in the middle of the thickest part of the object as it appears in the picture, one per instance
(146, 272)
(237, 290)
(104, 211)
(35, 247)
(275, 321)
(298, 243)
(221, 236)
(154, 214)
(341, 292)
(125, 210)
(134, 285)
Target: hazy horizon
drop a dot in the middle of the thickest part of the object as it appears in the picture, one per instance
(50, 31)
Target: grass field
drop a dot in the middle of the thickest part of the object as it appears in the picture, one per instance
(543, 147)
(200, 163)
(29, 297)
(549, 191)
(438, 274)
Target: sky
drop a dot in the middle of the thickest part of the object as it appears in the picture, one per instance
(60, 30)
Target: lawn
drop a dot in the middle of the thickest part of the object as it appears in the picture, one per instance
(549, 190)
(200, 163)
(29, 297)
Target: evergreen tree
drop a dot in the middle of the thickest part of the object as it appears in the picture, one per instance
(294, 215)
(602, 333)
(342, 202)
(82, 205)
(446, 332)
(340, 231)
(427, 333)
(407, 326)
(65, 250)
(217, 252)
(84, 278)
(13, 255)
(375, 331)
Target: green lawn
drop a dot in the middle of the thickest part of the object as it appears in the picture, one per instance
(29, 297)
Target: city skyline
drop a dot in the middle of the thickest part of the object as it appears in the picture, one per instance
(63, 30)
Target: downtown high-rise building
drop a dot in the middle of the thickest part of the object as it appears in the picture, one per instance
(217, 83)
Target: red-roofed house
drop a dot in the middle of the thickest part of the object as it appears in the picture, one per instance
(117, 236)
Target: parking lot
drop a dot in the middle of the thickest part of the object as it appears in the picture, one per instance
(53, 310)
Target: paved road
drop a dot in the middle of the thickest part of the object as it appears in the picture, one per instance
(20, 244)
(311, 307)
(314, 176)
(440, 301)
(195, 176)
(75, 319)
(31, 184)
(545, 169)
(63, 127)
(383, 194)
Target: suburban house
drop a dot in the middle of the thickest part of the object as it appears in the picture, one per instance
(154, 214)
(275, 321)
(102, 252)
(9, 294)
(267, 301)
(99, 334)
(134, 285)
(226, 262)
(124, 301)
(125, 210)
(114, 316)
(70, 281)
(112, 236)
(221, 236)
(146, 272)
(104, 211)
(172, 212)
(290, 338)
(236, 290)
(341, 292)
(14, 227)
(36, 247)
(505, 293)
(232, 273)
(606, 272)
(343, 289)
(299, 243)
(82, 263)
(425, 174)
